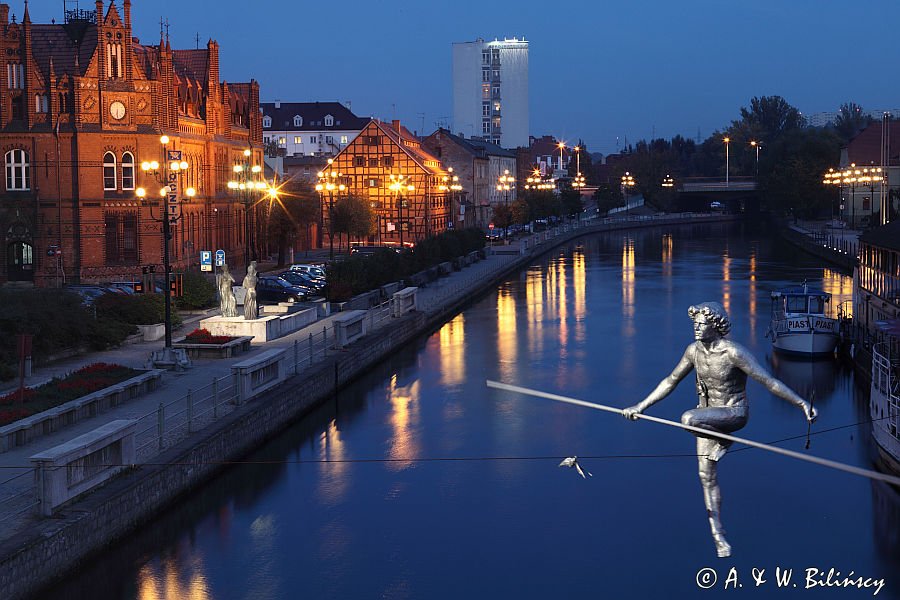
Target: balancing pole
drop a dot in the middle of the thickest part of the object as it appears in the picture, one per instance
(704, 432)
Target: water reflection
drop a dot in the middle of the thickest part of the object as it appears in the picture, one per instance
(805, 376)
(751, 309)
(452, 356)
(404, 421)
(841, 289)
(507, 340)
(167, 581)
(579, 291)
(726, 281)
(332, 480)
(628, 262)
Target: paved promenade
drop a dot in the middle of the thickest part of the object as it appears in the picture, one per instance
(16, 477)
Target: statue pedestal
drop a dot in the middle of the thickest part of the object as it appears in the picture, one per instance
(263, 329)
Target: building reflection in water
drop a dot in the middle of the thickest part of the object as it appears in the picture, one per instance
(452, 357)
(404, 422)
(841, 289)
(667, 245)
(752, 291)
(534, 309)
(561, 304)
(628, 325)
(333, 475)
(726, 281)
(166, 581)
(507, 336)
(805, 376)
(579, 291)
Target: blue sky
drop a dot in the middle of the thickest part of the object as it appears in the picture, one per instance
(599, 71)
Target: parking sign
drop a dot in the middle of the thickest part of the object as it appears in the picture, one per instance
(205, 260)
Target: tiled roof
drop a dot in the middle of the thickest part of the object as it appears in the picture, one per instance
(313, 115)
(191, 63)
(443, 134)
(413, 145)
(58, 41)
(865, 148)
(885, 236)
(491, 149)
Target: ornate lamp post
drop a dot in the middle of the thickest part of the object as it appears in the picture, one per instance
(168, 175)
(329, 182)
(578, 182)
(505, 182)
(398, 184)
(451, 184)
(245, 183)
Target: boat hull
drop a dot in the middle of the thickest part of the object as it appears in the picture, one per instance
(806, 344)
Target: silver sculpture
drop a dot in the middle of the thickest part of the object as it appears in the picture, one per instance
(227, 302)
(251, 309)
(722, 367)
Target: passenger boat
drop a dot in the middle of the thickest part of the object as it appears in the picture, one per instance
(800, 325)
(884, 403)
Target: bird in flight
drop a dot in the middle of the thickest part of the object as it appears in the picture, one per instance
(572, 461)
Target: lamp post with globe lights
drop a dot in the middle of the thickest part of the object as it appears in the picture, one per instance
(329, 182)
(168, 174)
(246, 183)
(399, 184)
(450, 185)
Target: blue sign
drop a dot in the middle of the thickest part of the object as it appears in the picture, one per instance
(220, 258)
(205, 260)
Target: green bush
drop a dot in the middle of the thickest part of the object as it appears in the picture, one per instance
(198, 292)
(138, 309)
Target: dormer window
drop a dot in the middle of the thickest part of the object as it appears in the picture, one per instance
(298, 121)
(267, 121)
(329, 120)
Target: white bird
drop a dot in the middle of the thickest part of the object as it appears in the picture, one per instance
(572, 461)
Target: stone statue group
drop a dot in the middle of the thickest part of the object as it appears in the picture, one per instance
(227, 301)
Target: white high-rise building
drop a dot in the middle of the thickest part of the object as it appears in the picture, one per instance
(490, 91)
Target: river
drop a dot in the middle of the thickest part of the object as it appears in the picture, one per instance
(418, 481)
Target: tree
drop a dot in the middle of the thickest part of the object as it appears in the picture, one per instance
(571, 202)
(352, 216)
(767, 119)
(851, 120)
(502, 217)
(791, 177)
(291, 212)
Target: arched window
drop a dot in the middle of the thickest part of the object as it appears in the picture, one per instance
(63, 105)
(114, 61)
(298, 121)
(109, 171)
(18, 171)
(329, 120)
(127, 171)
(267, 121)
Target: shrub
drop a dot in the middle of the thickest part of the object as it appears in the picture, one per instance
(203, 336)
(139, 309)
(198, 292)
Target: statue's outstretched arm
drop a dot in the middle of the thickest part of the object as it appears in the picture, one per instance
(749, 365)
(665, 387)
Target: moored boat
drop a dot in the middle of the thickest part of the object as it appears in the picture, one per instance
(884, 403)
(800, 324)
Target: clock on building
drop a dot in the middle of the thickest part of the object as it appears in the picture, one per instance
(117, 110)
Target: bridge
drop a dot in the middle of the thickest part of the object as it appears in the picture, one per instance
(737, 194)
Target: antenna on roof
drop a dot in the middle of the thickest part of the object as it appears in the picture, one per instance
(197, 39)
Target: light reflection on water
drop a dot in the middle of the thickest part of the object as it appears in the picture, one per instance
(602, 319)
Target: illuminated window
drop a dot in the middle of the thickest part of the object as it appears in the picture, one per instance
(496, 107)
(485, 91)
(282, 141)
(298, 139)
(128, 171)
(18, 171)
(343, 139)
(109, 171)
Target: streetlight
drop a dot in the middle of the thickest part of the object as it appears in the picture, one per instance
(169, 177)
(668, 182)
(627, 184)
(245, 184)
(328, 182)
(756, 145)
(398, 184)
(451, 184)
(562, 146)
(578, 183)
(504, 184)
(726, 140)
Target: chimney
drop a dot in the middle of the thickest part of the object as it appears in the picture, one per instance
(277, 104)
(396, 125)
(4, 14)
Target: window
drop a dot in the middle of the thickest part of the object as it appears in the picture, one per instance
(298, 139)
(343, 139)
(63, 105)
(267, 121)
(496, 107)
(15, 76)
(18, 171)
(329, 139)
(282, 141)
(485, 91)
(485, 57)
(114, 61)
(109, 171)
(40, 103)
(128, 171)
(359, 161)
(266, 139)
(298, 121)
(387, 161)
(312, 139)
(496, 91)
(372, 140)
(485, 109)
(329, 120)
(129, 239)
(373, 162)
(485, 75)
(373, 182)
(496, 74)
(485, 126)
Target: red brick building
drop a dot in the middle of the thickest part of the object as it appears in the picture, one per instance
(82, 105)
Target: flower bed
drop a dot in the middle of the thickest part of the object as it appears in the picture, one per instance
(203, 336)
(86, 380)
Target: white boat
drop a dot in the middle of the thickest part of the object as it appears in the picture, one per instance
(884, 403)
(800, 325)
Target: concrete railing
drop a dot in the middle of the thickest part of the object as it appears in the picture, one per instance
(72, 468)
(23, 431)
(404, 301)
(260, 373)
(349, 326)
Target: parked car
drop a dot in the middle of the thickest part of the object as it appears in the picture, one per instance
(88, 293)
(298, 279)
(275, 289)
(314, 270)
